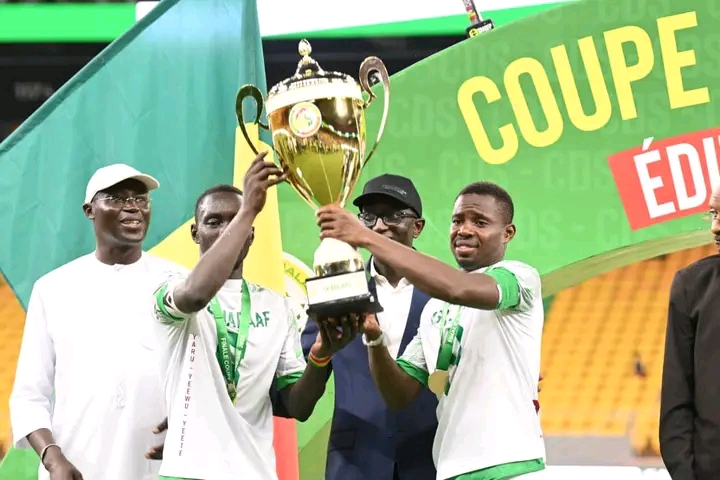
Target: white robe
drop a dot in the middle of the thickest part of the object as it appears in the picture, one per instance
(88, 368)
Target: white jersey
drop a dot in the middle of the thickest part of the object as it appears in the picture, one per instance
(208, 437)
(88, 367)
(487, 416)
(396, 303)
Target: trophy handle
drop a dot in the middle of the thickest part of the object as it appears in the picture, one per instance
(372, 70)
(253, 92)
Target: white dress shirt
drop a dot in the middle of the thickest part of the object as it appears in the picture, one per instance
(396, 305)
(88, 368)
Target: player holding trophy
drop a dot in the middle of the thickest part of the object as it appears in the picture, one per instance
(478, 345)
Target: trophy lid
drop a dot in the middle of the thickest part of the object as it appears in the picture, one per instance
(311, 82)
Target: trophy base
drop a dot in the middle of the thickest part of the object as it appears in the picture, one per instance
(344, 306)
(340, 287)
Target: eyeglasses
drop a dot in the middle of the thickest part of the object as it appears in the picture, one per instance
(120, 202)
(391, 220)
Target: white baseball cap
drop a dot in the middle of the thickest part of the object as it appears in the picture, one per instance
(106, 177)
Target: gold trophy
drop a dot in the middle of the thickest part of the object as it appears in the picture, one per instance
(317, 122)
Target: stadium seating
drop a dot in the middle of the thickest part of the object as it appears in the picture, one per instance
(12, 321)
(592, 334)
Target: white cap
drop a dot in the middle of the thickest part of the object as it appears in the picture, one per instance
(106, 177)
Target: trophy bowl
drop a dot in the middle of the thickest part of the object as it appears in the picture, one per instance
(317, 123)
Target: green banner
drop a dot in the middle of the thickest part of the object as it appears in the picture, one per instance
(598, 116)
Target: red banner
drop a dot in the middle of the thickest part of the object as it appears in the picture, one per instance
(662, 180)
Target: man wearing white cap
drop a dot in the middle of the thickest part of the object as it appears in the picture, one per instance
(87, 392)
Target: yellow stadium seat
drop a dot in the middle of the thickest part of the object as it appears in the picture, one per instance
(592, 333)
(12, 322)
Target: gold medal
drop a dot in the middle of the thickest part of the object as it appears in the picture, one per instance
(438, 381)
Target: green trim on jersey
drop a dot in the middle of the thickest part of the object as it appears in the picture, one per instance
(160, 294)
(287, 380)
(504, 471)
(509, 287)
(413, 370)
(163, 477)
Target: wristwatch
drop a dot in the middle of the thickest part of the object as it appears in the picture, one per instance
(374, 343)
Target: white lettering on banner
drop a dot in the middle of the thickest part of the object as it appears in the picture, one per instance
(650, 184)
(687, 175)
(685, 201)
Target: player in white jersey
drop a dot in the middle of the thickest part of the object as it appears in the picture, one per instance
(225, 341)
(478, 345)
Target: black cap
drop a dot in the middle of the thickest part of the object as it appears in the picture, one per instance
(396, 187)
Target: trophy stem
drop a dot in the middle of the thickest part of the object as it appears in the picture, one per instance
(335, 256)
(341, 286)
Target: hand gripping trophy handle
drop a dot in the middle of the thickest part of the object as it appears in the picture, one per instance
(250, 91)
(372, 68)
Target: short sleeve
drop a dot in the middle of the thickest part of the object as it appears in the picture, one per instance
(518, 283)
(413, 361)
(164, 308)
(291, 363)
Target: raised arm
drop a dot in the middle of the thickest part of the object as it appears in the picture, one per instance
(399, 382)
(426, 273)
(215, 266)
(31, 397)
(677, 405)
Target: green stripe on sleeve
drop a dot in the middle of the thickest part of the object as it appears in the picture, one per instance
(287, 380)
(509, 287)
(413, 370)
(505, 470)
(160, 295)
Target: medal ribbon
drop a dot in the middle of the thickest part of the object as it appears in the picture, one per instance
(229, 363)
(447, 339)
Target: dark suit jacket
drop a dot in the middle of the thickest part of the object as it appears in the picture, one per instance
(690, 397)
(367, 440)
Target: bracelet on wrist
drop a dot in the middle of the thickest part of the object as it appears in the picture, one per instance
(44, 451)
(378, 342)
(319, 362)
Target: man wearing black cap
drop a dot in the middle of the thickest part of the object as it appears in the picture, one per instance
(367, 440)
(390, 205)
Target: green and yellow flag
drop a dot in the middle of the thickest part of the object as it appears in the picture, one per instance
(162, 99)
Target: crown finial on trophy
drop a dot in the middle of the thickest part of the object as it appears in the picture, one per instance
(304, 48)
(307, 66)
